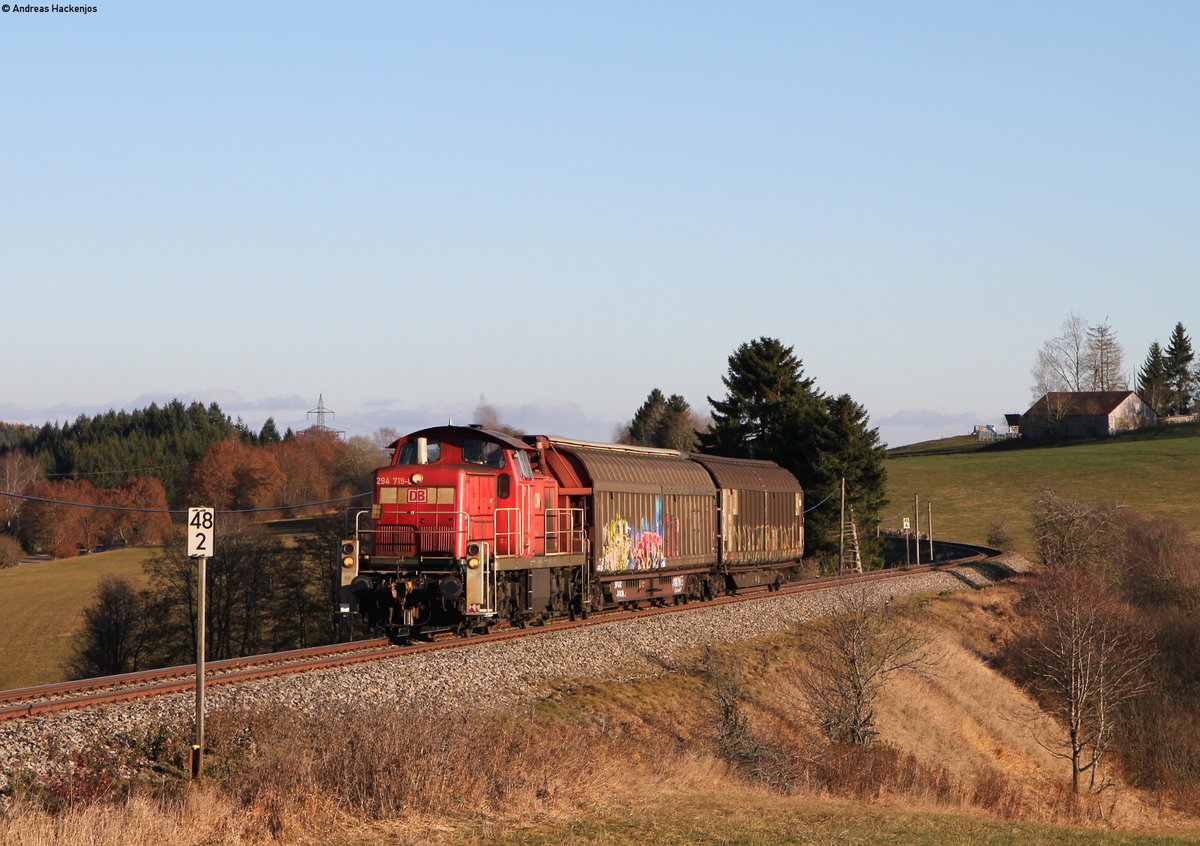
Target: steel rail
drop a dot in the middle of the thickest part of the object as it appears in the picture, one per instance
(31, 701)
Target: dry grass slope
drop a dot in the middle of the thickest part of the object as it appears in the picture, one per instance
(632, 763)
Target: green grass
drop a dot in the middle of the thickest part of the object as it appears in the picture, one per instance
(942, 446)
(758, 820)
(1154, 472)
(40, 607)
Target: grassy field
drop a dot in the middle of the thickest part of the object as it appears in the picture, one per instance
(969, 488)
(40, 607)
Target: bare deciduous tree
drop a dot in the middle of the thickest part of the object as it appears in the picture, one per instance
(18, 473)
(1082, 358)
(726, 688)
(849, 659)
(1085, 658)
(1062, 361)
(1070, 531)
(1086, 661)
(115, 633)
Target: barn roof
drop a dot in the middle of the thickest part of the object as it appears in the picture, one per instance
(1059, 403)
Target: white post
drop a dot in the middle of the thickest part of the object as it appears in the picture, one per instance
(201, 601)
(200, 546)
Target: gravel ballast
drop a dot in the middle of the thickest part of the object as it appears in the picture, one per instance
(486, 675)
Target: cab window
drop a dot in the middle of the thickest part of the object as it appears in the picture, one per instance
(487, 453)
(524, 468)
(408, 452)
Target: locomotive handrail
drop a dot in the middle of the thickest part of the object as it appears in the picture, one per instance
(574, 532)
(511, 536)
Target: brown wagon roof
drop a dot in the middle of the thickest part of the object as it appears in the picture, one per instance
(748, 474)
(1079, 402)
(617, 467)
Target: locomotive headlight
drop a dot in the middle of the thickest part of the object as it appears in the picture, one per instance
(472, 563)
(417, 478)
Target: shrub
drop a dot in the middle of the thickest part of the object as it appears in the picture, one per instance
(1000, 535)
(10, 551)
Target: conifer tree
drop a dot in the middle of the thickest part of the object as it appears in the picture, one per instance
(269, 433)
(853, 452)
(772, 411)
(1180, 379)
(1152, 379)
(768, 400)
(643, 427)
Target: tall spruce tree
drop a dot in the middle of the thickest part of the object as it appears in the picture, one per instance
(853, 452)
(1152, 379)
(772, 411)
(768, 399)
(1181, 381)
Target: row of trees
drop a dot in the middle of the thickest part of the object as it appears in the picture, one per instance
(773, 411)
(161, 441)
(1087, 357)
(1167, 381)
(129, 465)
(263, 596)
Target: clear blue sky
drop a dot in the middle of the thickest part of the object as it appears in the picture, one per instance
(560, 206)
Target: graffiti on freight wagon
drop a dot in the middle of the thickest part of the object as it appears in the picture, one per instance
(626, 547)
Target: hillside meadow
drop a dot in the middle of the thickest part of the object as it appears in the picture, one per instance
(971, 488)
(40, 611)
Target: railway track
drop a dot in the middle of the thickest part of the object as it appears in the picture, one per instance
(28, 702)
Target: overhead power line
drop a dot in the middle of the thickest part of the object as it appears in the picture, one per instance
(822, 502)
(118, 470)
(179, 511)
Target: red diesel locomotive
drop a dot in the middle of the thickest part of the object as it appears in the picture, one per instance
(471, 525)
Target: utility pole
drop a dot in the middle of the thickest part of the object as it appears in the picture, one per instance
(842, 531)
(929, 528)
(917, 534)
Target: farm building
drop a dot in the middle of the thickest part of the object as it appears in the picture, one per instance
(1086, 414)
